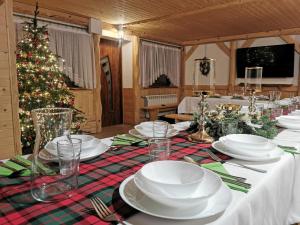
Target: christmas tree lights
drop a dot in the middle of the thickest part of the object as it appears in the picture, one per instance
(41, 82)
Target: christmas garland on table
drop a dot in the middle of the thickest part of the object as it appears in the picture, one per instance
(256, 125)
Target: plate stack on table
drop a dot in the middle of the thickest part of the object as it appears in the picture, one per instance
(163, 189)
(289, 121)
(91, 147)
(145, 130)
(248, 147)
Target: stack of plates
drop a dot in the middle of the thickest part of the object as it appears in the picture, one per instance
(91, 147)
(247, 147)
(163, 189)
(144, 130)
(289, 121)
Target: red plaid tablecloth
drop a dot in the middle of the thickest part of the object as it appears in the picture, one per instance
(99, 177)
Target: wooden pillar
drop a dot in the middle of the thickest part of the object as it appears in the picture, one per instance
(136, 78)
(181, 93)
(232, 68)
(10, 137)
(298, 88)
(97, 90)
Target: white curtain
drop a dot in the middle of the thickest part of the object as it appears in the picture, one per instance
(76, 48)
(157, 59)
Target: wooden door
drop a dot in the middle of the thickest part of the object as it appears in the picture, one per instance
(111, 82)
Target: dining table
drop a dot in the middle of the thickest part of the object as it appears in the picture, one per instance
(273, 199)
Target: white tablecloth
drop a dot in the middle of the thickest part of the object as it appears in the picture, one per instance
(190, 104)
(274, 198)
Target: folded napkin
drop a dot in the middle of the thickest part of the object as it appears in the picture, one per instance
(11, 166)
(289, 149)
(217, 166)
(127, 140)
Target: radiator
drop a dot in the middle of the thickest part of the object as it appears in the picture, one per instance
(168, 99)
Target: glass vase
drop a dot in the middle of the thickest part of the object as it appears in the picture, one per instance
(48, 182)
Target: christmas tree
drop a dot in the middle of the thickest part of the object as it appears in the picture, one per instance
(40, 80)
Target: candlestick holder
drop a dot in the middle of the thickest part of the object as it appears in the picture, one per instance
(201, 135)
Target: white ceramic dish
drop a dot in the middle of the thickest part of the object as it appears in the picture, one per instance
(210, 184)
(135, 133)
(216, 205)
(172, 178)
(182, 125)
(51, 147)
(292, 126)
(84, 156)
(149, 133)
(249, 149)
(86, 140)
(149, 125)
(275, 154)
(246, 140)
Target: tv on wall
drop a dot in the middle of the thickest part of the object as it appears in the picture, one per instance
(277, 60)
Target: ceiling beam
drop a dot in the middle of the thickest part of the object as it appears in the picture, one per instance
(272, 33)
(192, 12)
(188, 54)
(248, 43)
(290, 40)
(224, 48)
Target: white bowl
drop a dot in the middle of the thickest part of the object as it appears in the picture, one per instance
(246, 141)
(248, 148)
(210, 184)
(149, 132)
(178, 179)
(86, 140)
(289, 119)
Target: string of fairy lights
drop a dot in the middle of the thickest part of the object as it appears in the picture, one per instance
(41, 81)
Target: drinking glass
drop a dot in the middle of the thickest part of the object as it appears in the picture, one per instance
(160, 128)
(159, 149)
(48, 181)
(276, 112)
(69, 151)
(229, 127)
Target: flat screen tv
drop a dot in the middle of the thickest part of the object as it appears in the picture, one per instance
(277, 60)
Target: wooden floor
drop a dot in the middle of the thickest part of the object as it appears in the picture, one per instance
(113, 130)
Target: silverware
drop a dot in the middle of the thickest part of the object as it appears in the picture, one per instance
(104, 212)
(216, 158)
(241, 179)
(239, 183)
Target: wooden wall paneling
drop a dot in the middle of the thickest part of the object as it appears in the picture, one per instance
(180, 95)
(136, 78)
(232, 68)
(248, 43)
(9, 118)
(97, 90)
(298, 91)
(224, 48)
(128, 106)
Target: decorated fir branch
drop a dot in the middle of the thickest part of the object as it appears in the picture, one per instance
(257, 125)
(41, 82)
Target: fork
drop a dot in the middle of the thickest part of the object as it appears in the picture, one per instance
(104, 212)
(216, 158)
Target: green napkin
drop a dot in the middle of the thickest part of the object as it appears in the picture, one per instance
(288, 149)
(217, 166)
(127, 140)
(9, 167)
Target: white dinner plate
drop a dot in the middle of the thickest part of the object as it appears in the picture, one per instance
(289, 125)
(216, 205)
(135, 133)
(84, 156)
(182, 125)
(275, 154)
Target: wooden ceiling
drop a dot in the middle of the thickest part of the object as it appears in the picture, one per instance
(185, 22)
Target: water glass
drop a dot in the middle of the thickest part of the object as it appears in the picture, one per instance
(160, 128)
(159, 149)
(69, 151)
(276, 112)
(229, 127)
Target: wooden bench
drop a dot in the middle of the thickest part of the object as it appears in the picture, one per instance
(179, 117)
(153, 110)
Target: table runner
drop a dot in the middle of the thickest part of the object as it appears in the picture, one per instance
(98, 177)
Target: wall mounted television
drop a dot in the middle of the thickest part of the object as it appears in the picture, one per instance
(277, 60)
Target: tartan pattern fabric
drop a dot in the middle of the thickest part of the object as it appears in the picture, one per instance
(98, 177)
